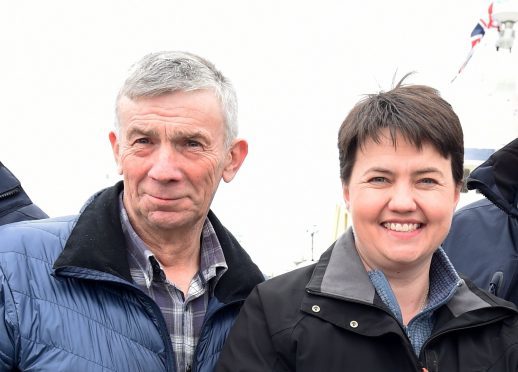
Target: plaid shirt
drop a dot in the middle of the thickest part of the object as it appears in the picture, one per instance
(183, 316)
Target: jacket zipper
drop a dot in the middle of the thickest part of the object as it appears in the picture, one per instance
(207, 317)
(10, 193)
(147, 301)
(162, 326)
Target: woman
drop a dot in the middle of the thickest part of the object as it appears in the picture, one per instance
(384, 296)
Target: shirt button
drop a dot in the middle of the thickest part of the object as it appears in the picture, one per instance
(315, 308)
(353, 324)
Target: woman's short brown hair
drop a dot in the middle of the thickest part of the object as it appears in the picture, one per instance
(416, 112)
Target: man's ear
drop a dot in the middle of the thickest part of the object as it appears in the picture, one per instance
(115, 148)
(235, 158)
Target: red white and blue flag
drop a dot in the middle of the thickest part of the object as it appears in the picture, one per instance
(480, 29)
(477, 34)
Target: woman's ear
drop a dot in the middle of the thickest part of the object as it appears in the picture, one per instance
(345, 193)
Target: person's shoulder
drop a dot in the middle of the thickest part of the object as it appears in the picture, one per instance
(44, 225)
(281, 298)
(35, 235)
(288, 282)
(478, 204)
(24, 213)
(32, 212)
(476, 212)
(474, 298)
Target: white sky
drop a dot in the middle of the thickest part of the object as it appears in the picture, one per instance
(298, 67)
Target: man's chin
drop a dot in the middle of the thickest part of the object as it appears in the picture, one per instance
(170, 219)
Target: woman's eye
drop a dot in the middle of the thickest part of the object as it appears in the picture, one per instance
(378, 180)
(428, 181)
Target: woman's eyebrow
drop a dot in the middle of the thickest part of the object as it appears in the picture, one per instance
(428, 170)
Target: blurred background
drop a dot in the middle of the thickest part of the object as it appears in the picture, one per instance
(298, 68)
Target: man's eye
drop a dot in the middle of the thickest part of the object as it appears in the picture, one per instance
(193, 144)
(142, 141)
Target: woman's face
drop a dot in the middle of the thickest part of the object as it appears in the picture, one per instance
(401, 201)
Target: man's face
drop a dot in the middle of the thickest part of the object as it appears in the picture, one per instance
(401, 201)
(171, 154)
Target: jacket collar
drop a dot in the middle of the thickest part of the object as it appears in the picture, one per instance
(340, 289)
(497, 178)
(97, 243)
(341, 274)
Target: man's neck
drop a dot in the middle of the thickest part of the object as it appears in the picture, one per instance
(180, 269)
(178, 253)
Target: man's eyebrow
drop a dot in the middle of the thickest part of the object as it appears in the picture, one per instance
(176, 133)
(188, 133)
(141, 130)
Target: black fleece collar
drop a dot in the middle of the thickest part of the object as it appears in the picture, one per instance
(97, 243)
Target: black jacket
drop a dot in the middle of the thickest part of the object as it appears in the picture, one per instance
(327, 317)
(15, 204)
(483, 239)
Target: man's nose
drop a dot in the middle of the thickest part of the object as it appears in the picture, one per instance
(166, 164)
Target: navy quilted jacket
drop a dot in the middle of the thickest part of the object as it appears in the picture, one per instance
(483, 239)
(15, 204)
(67, 301)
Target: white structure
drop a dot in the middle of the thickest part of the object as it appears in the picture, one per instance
(505, 13)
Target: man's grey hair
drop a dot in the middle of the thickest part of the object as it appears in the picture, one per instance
(171, 71)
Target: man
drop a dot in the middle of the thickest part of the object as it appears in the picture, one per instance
(15, 204)
(483, 239)
(146, 278)
(384, 296)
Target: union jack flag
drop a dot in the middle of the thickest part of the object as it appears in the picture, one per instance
(477, 34)
(480, 29)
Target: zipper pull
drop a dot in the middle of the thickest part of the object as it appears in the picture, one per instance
(496, 282)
